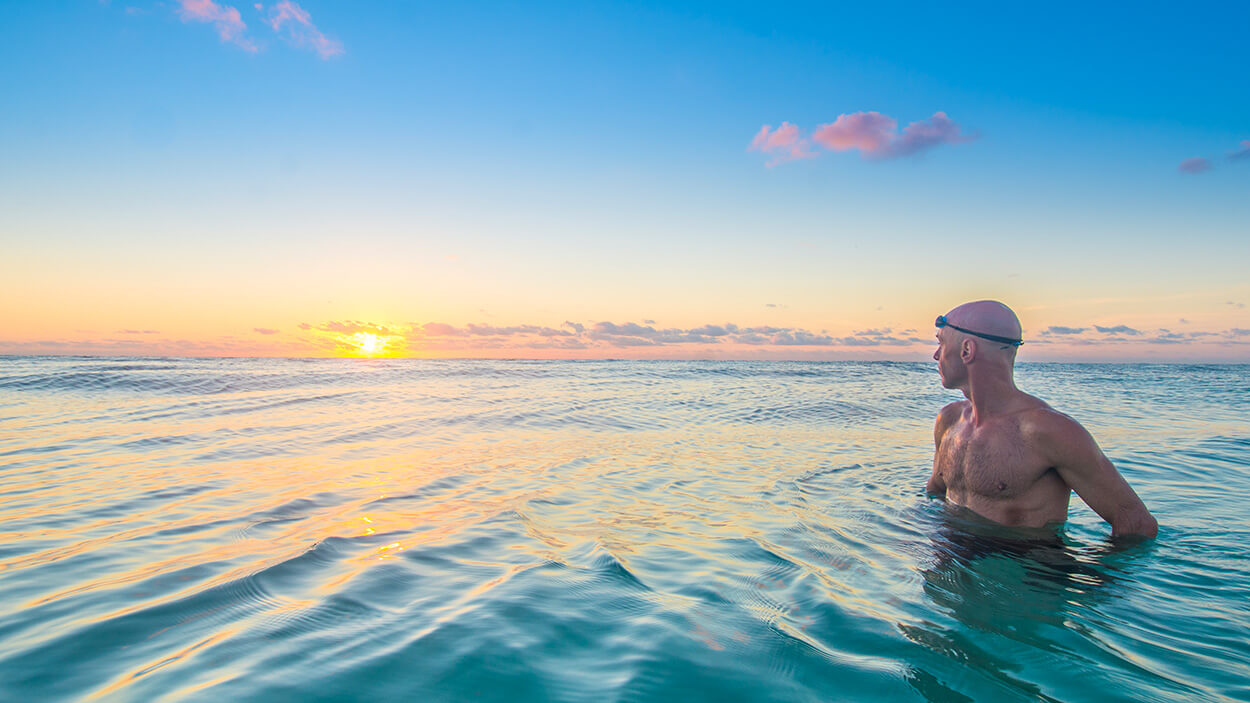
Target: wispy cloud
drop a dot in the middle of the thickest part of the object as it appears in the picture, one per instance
(351, 327)
(1201, 164)
(1196, 164)
(226, 19)
(286, 18)
(1117, 329)
(874, 135)
(289, 18)
(783, 144)
(264, 330)
(1060, 329)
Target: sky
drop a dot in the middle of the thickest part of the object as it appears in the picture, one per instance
(622, 180)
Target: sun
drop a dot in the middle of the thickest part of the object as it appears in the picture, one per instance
(367, 343)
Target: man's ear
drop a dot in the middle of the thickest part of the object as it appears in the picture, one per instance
(967, 351)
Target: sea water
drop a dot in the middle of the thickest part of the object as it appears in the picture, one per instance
(248, 529)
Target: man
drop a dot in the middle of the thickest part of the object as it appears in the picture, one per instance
(1003, 453)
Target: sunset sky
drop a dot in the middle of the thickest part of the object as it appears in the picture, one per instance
(621, 180)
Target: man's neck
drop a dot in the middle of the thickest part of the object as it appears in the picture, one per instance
(990, 394)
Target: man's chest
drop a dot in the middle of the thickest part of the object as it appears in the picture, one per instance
(992, 461)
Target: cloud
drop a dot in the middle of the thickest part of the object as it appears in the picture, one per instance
(1118, 329)
(870, 132)
(783, 144)
(264, 330)
(480, 330)
(797, 338)
(438, 329)
(1195, 165)
(300, 30)
(876, 137)
(351, 327)
(1166, 337)
(1239, 306)
(1242, 152)
(229, 24)
(1060, 329)
(715, 330)
(138, 332)
(926, 134)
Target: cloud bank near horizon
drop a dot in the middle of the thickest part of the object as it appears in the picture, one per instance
(606, 340)
(613, 338)
(603, 336)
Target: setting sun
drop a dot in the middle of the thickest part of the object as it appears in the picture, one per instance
(366, 343)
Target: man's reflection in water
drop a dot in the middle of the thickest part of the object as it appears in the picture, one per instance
(1029, 586)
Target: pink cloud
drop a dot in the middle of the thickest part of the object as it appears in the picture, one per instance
(301, 30)
(1195, 165)
(870, 132)
(439, 329)
(783, 137)
(876, 137)
(229, 23)
(783, 143)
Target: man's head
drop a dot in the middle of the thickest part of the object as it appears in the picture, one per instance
(983, 334)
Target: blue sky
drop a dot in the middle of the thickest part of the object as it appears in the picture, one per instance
(532, 163)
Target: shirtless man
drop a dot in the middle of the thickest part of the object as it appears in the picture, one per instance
(1006, 455)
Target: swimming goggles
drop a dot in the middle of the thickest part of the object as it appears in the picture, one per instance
(941, 322)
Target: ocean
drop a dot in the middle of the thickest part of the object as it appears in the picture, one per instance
(281, 529)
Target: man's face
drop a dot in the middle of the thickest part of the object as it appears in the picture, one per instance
(950, 367)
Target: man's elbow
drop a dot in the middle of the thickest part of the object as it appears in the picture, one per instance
(1141, 524)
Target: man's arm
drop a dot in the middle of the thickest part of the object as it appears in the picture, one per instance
(946, 417)
(1083, 466)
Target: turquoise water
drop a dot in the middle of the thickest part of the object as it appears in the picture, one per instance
(175, 529)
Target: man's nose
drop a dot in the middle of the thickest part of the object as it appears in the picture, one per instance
(935, 354)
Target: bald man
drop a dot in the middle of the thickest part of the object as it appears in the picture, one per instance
(1006, 455)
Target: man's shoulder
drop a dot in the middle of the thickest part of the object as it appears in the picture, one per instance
(1046, 426)
(948, 416)
(951, 412)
